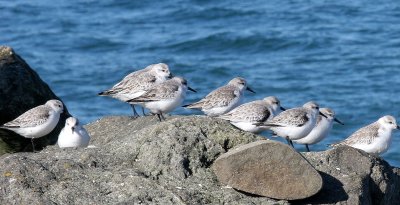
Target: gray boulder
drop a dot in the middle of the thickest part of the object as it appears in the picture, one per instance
(268, 168)
(143, 161)
(20, 90)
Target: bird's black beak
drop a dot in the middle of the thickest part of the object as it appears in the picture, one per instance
(191, 89)
(170, 76)
(398, 127)
(283, 109)
(323, 114)
(338, 121)
(249, 89)
(73, 129)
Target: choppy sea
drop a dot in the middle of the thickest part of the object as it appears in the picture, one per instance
(343, 54)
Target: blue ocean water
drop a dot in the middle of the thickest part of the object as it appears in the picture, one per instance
(343, 54)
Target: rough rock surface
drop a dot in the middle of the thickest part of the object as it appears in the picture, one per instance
(20, 90)
(268, 168)
(143, 161)
(134, 161)
(353, 176)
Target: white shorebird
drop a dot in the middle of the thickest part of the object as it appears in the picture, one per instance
(247, 115)
(164, 97)
(321, 129)
(137, 83)
(38, 121)
(374, 138)
(295, 123)
(223, 99)
(73, 134)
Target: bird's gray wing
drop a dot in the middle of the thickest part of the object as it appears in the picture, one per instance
(364, 135)
(134, 83)
(220, 97)
(249, 112)
(158, 92)
(33, 117)
(295, 117)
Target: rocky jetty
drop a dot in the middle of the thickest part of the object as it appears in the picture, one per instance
(20, 90)
(183, 160)
(143, 161)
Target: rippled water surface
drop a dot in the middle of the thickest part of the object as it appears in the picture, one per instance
(343, 54)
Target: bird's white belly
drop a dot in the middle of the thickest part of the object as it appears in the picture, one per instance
(248, 126)
(75, 139)
(40, 130)
(293, 132)
(317, 134)
(163, 106)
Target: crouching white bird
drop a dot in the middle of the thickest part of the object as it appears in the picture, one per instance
(73, 134)
(247, 115)
(321, 129)
(38, 121)
(164, 97)
(374, 138)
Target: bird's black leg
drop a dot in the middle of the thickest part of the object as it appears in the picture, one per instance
(144, 114)
(135, 114)
(33, 145)
(159, 117)
(289, 142)
(308, 149)
(162, 116)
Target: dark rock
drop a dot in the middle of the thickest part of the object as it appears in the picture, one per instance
(268, 168)
(20, 90)
(353, 176)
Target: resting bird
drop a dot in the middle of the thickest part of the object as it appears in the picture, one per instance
(73, 134)
(246, 116)
(164, 97)
(374, 138)
(223, 99)
(137, 83)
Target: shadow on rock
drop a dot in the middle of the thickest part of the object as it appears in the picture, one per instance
(332, 192)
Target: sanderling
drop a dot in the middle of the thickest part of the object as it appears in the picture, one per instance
(38, 121)
(247, 115)
(374, 138)
(137, 83)
(223, 99)
(321, 129)
(164, 97)
(295, 123)
(73, 134)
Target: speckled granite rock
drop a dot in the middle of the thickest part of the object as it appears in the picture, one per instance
(143, 161)
(134, 161)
